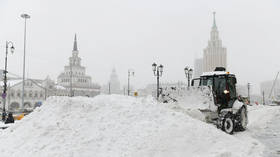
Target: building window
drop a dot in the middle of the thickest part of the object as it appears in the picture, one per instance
(35, 95)
(41, 95)
(30, 95)
(18, 94)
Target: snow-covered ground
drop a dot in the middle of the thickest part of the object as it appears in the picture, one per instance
(264, 125)
(121, 126)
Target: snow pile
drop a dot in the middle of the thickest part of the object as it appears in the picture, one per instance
(117, 126)
(260, 116)
(194, 100)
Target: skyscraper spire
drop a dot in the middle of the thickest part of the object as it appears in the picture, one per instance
(75, 48)
(214, 20)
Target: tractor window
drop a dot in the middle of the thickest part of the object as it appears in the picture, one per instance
(206, 81)
(219, 88)
(220, 84)
(231, 85)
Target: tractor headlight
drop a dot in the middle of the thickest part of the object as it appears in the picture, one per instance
(226, 91)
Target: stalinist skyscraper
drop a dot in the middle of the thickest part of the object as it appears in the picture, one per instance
(214, 55)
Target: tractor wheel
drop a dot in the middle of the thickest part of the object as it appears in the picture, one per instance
(228, 124)
(242, 119)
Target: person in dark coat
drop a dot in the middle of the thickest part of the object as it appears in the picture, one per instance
(10, 118)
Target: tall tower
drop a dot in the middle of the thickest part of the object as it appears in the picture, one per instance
(75, 60)
(74, 77)
(115, 87)
(214, 55)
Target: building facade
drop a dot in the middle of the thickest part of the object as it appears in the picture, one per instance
(73, 81)
(214, 55)
(114, 85)
(74, 78)
(198, 67)
(34, 94)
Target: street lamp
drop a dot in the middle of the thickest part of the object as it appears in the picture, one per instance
(4, 94)
(25, 17)
(130, 73)
(158, 73)
(188, 73)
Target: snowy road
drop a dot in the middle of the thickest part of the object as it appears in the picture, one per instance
(270, 137)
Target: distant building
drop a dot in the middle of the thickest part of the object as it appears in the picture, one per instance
(36, 90)
(113, 86)
(74, 76)
(214, 55)
(198, 67)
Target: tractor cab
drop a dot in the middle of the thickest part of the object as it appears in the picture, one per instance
(222, 85)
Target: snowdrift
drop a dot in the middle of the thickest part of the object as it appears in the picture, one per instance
(261, 115)
(117, 126)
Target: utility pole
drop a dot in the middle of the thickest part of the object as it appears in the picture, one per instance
(128, 83)
(109, 87)
(25, 17)
(248, 85)
(263, 98)
(130, 73)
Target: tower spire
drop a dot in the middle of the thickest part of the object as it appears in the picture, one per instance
(75, 48)
(214, 20)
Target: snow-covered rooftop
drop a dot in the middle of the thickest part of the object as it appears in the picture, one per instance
(216, 73)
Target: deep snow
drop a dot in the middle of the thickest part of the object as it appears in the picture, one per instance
(265, 126)
(119, 126)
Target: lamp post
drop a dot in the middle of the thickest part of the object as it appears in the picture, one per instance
(158, 73)
(263, 98)
(130, 73)
(248, 86)
(188, 73)
(4, 95)
(109, 88)
(25, 17)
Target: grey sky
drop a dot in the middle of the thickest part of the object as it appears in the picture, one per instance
(134, 34)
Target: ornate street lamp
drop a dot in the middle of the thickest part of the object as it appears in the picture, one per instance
(4, 94)
(158, 73)
(188, 73)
